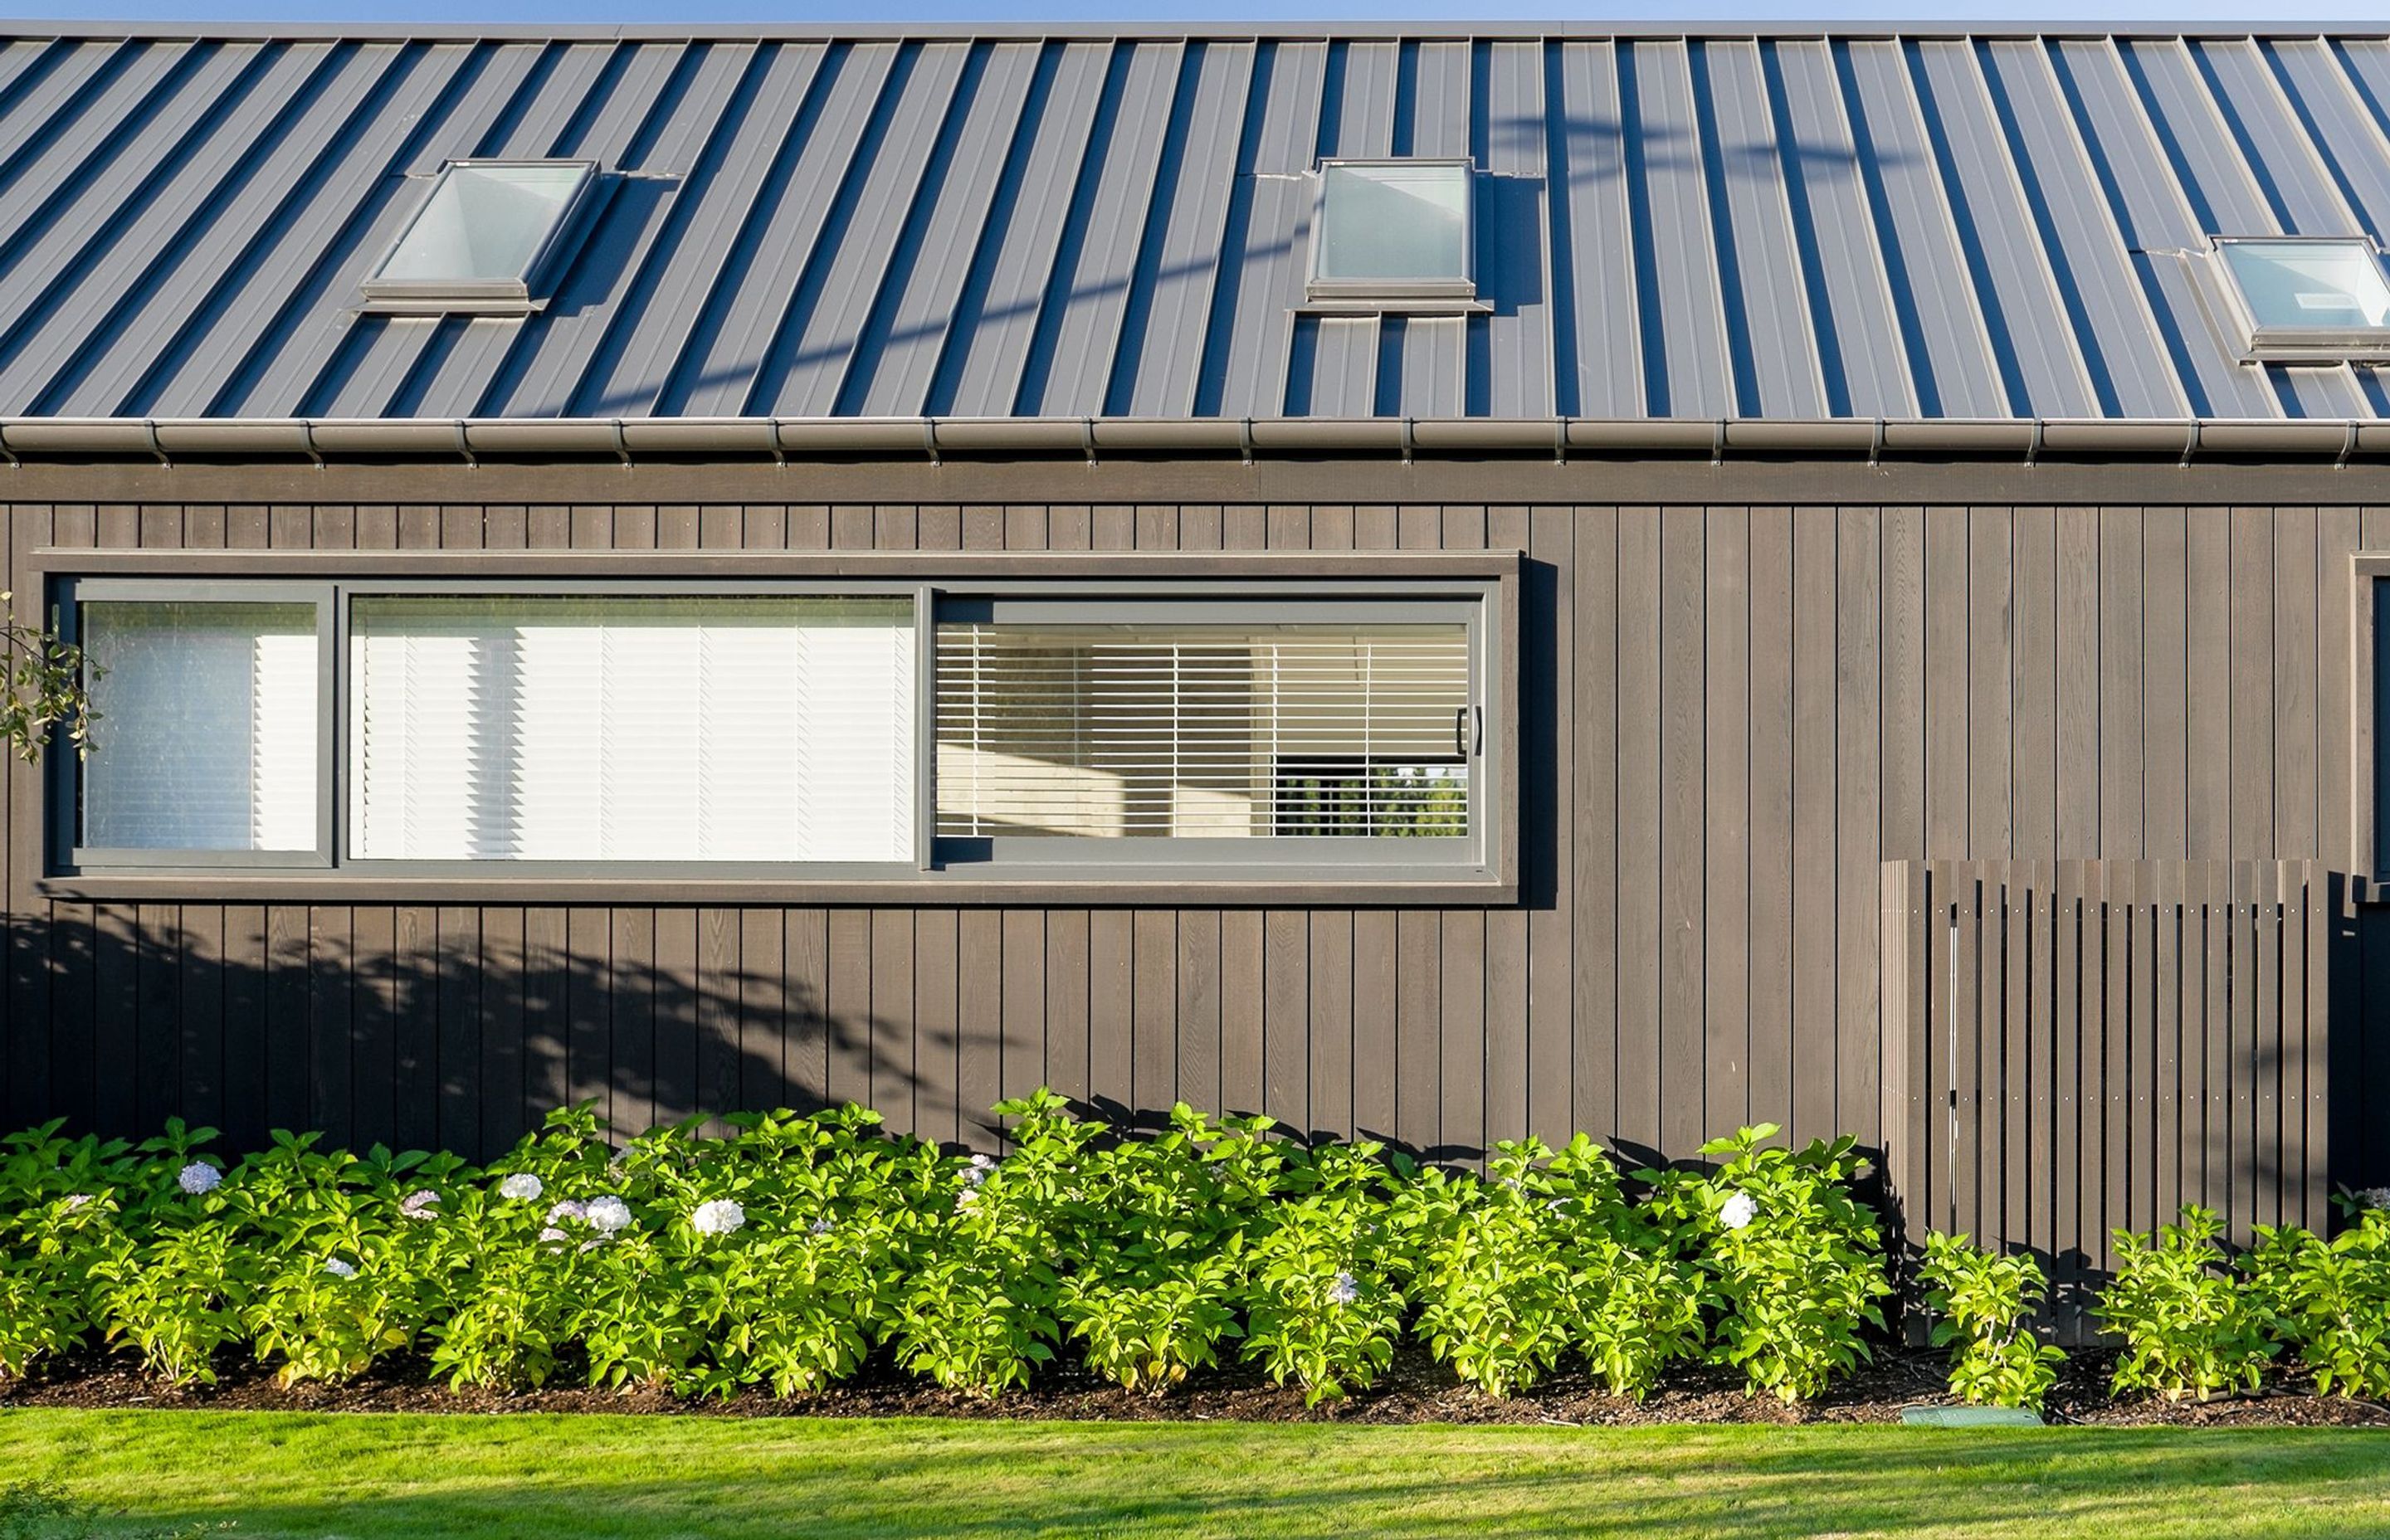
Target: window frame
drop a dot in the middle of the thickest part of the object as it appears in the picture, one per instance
(2369, 781)
(1393, 293)
(1487, 578)
(514, 296)
(1309, 854)
(63, 779)
(2280, 344)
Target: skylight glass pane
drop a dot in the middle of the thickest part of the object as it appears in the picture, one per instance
(484, 223)
(1394, 224)
(2310, 285)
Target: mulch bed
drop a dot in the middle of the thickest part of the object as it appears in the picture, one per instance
(1417, 1390)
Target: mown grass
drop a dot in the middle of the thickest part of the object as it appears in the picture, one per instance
(529, 1477)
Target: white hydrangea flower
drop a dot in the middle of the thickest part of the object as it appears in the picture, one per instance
(820, 1226)
(1739, 1210)
(719, 1217)
(339, 1268)
(607, 1214)
(967, 1197)
(199, 1177)
(551, 1236)
(423, 1203)
(77, 1201)
(2374, 1198)
(1344, 1291)
(982, 1162)
(566, 1208)
(522, 1186)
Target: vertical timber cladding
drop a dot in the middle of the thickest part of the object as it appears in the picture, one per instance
(1732, 717)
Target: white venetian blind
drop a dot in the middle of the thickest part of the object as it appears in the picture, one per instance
(689, 729)
(1205, 731)
(208, 728)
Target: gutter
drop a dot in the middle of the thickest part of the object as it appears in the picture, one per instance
(631, 439)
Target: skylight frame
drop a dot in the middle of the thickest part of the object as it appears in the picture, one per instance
(513, 295)
(1459, 292)
(2265, 344)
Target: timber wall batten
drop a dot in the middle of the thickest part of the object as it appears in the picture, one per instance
(1733, 716)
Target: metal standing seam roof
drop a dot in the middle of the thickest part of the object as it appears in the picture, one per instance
(1709, 224)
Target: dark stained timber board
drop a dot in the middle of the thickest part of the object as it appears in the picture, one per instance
(1758, 741)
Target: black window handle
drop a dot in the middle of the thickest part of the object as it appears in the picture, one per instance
(1463, 717)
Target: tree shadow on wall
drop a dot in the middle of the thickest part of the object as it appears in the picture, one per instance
(447, 1028)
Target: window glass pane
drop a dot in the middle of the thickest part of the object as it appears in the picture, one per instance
(2334, 286)
(1396, 223)
(207, 729)
(483, 223)
(516, 729)
(1202, 731)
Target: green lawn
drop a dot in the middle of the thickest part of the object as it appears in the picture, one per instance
(371, 1477)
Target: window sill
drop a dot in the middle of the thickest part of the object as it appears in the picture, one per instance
(1308, 890)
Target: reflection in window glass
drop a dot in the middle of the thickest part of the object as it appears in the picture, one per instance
(484, 223)
(207, 729)
(1394, 222)
(1131, 731)
(2310, 285)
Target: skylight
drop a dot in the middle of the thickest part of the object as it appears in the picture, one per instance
(482, 237)
(1393, 230)
(2323, 299)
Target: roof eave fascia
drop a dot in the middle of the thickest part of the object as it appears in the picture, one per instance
(630, 439)
(1277, 30)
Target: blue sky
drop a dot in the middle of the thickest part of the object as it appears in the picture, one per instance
(560, 11)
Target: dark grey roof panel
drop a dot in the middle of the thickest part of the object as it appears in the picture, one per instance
(1755, 216)
(980, 366)
(1595, 249)
(1863, 359)
(1691, 222)
(1514, 257)
(1342, 378)
(1157, 368)
(1690, 374)
(1267, 248)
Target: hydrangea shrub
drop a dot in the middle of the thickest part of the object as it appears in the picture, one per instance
(782, 1252)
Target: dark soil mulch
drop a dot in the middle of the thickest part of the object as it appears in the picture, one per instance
(1416, 1390)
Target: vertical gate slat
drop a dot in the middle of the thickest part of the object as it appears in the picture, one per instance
(2040, 996)
(2263, 1053)
(2091, 1227)
(2218, 948)
(2119, 893)
(1983, 1136)
(1965, 1048)
(2067, 1251)
(2289, 1043)
(2016, 1146)
(2323, 914)
(1920, 946)
(2167, 1097)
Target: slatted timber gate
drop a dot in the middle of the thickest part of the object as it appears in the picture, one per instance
(2073, 1048)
